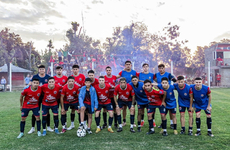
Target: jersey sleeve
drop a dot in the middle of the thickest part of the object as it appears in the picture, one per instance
(116, 90)
(120, 73)
(209, 91)
(190, 91)
(137, 74)
(170, 76)
(154, 76)
(63, 91)
(24, 92)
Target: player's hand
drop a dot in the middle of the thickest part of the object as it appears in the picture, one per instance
(117, 108)
(62, 110)
(191, 109)
(163, 103)
(132, 108)
(20, 108)
(209, 108)
(95, 109)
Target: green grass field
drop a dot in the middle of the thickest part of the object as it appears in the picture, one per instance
(10, 120)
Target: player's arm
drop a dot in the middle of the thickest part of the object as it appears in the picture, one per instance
(133, 100)
(209, 108)
(191, 100)
(21, 101)
(163, 99)
(62, 103)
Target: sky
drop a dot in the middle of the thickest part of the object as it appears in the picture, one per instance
(200, 21)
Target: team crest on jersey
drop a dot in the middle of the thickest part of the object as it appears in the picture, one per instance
(170, 93)
(127, 93)
(46, 80)
(149, 77)
(38, 94)
(185, 94)
(55, 92)
(160, 92)
(131, 75)
(141, 91)
(63, 80)
(202, 95)
(74, 92)
(79, 79)
(106, 91)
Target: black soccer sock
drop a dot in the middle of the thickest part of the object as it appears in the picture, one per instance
(33, 121)
(183, 128)
(44, 120)
(39, 125)
(209, 123)
(119, 119)
(105, 117)
(48, 119)
(142, 117)
(190, 128)
(198, 122)
(139, 124)
(22, 126)
(115, 118)
(132, 119)
(110, 121)
(97, 120)
(72, 116)
(153, 115)
(79, 118)
(63, 119)
(56, 121)
(150, 124)
(174, 126)
(164, 124)
(124, 120)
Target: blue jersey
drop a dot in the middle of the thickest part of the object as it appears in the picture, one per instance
(201, 97)
(183, 95)
(42, 80)
(170, 99)
(140, 95)
(143, 76)
(127, 75)
(166, 74)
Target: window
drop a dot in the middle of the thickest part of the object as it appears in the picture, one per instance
(226, 54)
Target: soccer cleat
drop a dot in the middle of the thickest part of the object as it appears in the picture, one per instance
(32, 130)
(71, 127)
(160, 126)
(98, 130)
(44, 133)
(210, 134)
(150, 132)
(49, 129)
(142, 123)
(182, 132)
(89, 131)
(56, 131)
(171, 126)
(104, 126)
(198, 133)
(85, 126)
(134, 125)
(154, 124)
(20, 135)
(124, 123)
(116, 126)
(81, 126)
(119, 129)
(161, 131)
(63, 130)
(39, 133)
(139, 129)
(190, 133)
(165, 133)
(132, 130)
(110, 130)
(175, 132)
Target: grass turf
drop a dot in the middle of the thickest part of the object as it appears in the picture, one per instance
(10, 120)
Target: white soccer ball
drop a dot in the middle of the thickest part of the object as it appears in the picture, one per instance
(81, 132)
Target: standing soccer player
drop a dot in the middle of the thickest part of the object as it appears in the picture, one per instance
(126, 97)
(155, 101)
(43, 79)
(184, 103)
(69, 98)
(29, 100)
(88, 102)
(202, 96)
(92, 77)
(102, 90)
(141, 98)
(51, 93)
(59, 78)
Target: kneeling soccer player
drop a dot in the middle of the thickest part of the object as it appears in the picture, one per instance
(29, 100)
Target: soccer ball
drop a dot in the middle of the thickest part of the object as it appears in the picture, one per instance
(81, 132)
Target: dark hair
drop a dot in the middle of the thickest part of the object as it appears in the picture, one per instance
(75, 66)
(35, 79)
(147, 81)
(198, 78)
(108, 67)
(164, 78)
(102, 77)
(58, 67)
(128, 61)
(180, 77)
(161, 65)
(50, 78)
(88, 79)
(71, 77)
(145, 64)
(41, 66)
(134, 77)
(122, 79)
(90, 71)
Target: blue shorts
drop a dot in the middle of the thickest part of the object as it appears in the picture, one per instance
(25, 112)
(72, 106)
(183, 109)
(45, 109)
(173, 110)
(88, 108)
(206, 111)
(108, 107)
(142, 106)
(152, 109)
(123, 103)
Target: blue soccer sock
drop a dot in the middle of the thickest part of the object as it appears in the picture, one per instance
(44, 119)
(39, 125)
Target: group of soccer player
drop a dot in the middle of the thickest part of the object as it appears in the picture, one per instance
(90, 95)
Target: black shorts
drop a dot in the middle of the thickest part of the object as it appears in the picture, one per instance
(113, 102)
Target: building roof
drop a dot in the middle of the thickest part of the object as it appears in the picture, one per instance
(14, 69)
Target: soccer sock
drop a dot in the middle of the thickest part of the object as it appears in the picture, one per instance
(48, 120)
(105, 117)
(110, 121)
(142, 117)
(33, 121)
(139, 124)
(183, 128)
(190, 128)
(171, 121)
(97, 120)
(56, 121)
(63, 119)
(72, 116)
(39, 125)
(209, 123)
(115, 118)
(153, 115)
(164, 124)
(44, 119)
(132, 119)
(119, 119)
(22, 126)
(79, 118)
(150, 124)
(198, 122)
(124, 120)
(174, 126)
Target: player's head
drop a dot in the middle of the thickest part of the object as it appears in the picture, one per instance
(75, 69)
(88, 82)
(198, 82)
(122, 82)
(145, 67)
(41, 69)
(35, 83)
(128, 65)
(70, 80)
(134, 80)
(91, 74)
(59, 70)
(108, 70)
(189, 81)
(161, 68)
(165, 82)
(51, 82)
(101, 80)
(28, 75)
(180, 81)
(148, 85)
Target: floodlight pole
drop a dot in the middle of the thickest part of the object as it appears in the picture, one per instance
(172, 70)
(10, 77)
(208, 73)
(133, 65)
(52, 69)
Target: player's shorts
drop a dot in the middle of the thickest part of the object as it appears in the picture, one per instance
(142, 106)
(206, 111)
(152, 109)
(108, 107)
(183, 109)
(71, 105)
(113, 102)
(173, 110)
(123, 103)
(40, 100)
(88, 108)
(25, 112)
(218, 81)
(45, 109)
